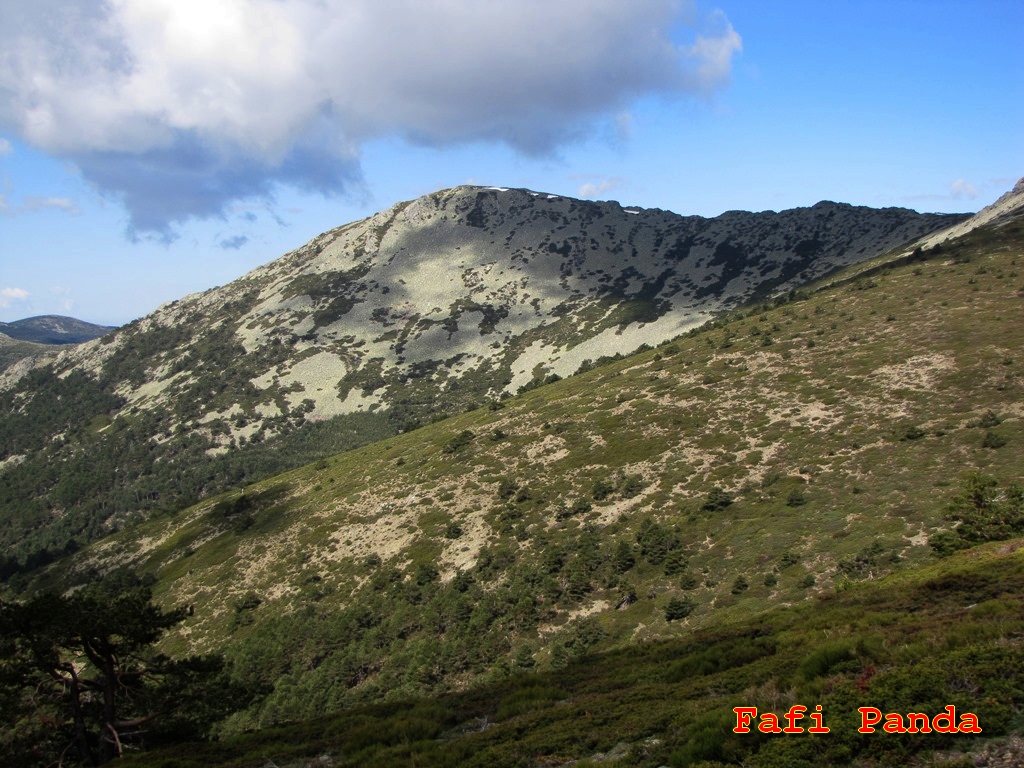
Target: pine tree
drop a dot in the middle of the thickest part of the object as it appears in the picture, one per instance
(84, 665)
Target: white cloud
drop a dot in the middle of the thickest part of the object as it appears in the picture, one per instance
(32, 204)
(10, 295)
(963, 188)
(711, 54)
(6, 147)
(594, 189)
(180, 106)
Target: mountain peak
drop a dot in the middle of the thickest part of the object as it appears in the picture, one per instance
(460, 297)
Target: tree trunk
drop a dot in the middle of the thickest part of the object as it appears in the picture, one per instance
(76, 711)
(110, 744)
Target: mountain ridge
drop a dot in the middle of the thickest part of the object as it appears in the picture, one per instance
(373, 301)
(430, 307)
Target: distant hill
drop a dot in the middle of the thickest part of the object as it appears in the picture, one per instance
(54, 329)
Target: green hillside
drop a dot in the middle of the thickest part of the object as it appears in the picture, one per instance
(919, 641)
(740, 492)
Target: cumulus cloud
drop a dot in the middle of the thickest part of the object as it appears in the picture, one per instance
(181, 106)
(10, 295)
(5, 147)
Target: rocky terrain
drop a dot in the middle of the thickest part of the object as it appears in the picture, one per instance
(811, 497)
(486, 289)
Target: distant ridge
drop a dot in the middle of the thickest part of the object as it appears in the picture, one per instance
(54, 329)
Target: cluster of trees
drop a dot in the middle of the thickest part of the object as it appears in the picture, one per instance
(405, 633)
(982, 511)
(80, 683)
(97, 478)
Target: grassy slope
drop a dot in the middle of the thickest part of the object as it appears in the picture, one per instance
(840, 439)
(947, 633)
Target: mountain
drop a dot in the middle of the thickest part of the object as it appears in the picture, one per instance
(485, 289)
(53, 329)
(765, 510)
(34, 341)
(787, 451)
(434, 306)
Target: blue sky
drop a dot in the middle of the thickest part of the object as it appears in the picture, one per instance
(154, 148)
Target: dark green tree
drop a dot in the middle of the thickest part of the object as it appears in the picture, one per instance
(78, 676)
(983, 512)
(679, 608)
(717, 500)
(623, 559)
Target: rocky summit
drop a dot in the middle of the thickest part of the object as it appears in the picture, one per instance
(481, 288)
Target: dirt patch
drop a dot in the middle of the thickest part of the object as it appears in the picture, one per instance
(547, 451)
(917, 373)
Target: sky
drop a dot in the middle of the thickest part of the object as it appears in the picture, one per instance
(154, 148)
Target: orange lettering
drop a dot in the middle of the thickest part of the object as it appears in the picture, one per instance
(950, 719)
(894, 723)
(918, 723)
(743, 717)
(817, 717)
(969, 723)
